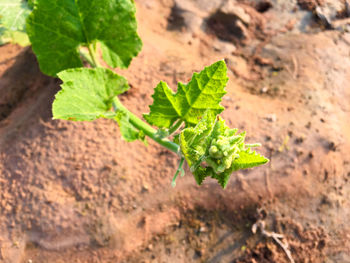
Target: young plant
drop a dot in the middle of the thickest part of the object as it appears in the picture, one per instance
(65, 33)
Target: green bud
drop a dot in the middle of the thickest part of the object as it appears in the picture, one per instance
(215, 152)
(228, 161)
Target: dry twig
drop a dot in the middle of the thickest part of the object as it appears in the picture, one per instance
(260, 224)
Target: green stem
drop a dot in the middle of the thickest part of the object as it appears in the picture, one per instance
(178, 171)
(93, 56)
(175, 127)
(252, 145)
(142, 126)
(134, 120)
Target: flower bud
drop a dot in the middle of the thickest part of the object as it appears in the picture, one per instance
(215, 152)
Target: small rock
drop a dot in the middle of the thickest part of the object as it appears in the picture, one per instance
(203, 229)
(231, 8)
(150, 247)
(145, 188)
(271, 117)
(328, 12)
(264, 89)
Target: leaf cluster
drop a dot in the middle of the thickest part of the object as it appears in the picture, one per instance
(213, 149)
(66, 33)
(60, 29)
(203, 93)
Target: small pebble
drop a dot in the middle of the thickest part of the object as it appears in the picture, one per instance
(264, 89)
(202, 229)
(271, 117)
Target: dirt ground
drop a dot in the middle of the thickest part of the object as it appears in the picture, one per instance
(76, 192)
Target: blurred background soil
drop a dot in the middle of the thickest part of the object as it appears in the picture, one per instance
(76, 192)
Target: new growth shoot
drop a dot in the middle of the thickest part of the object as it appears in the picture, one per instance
(64, 34)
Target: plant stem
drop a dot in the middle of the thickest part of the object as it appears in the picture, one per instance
(134, 120)
(142, 126)
(175, 127)
(93, 56)
(178, 171)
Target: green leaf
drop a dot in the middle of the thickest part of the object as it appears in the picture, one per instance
(87, 94)
(248, 159)
(13, 14)
(128, 131)
(31, 3)
(14, 37)
(212, 149)
(201, 173)
(203, 93)
(195, 141)
(58, 28)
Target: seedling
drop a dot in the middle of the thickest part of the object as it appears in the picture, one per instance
(66, 33)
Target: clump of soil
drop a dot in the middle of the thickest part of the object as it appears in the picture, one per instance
(12, 88)
(226, 27)
(175, 20)
(304, 245)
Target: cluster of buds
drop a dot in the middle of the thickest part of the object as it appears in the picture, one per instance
(224, 150)
(212, 149)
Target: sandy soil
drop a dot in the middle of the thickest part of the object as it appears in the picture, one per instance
(76, 192)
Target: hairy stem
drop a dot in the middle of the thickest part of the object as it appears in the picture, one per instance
(142, 126)
(175, 127)
(92, 52)
(134, 120)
